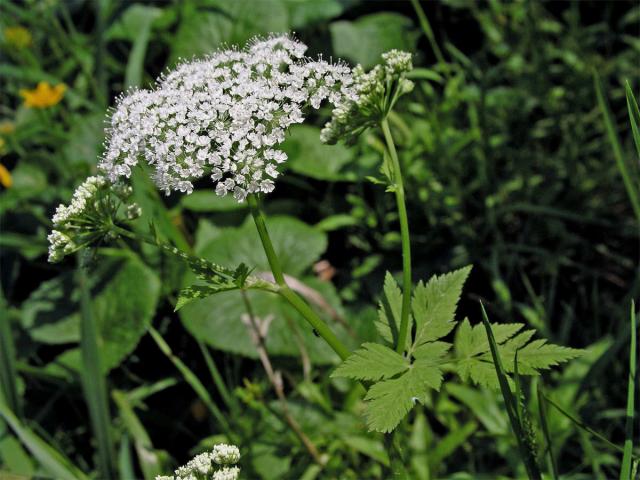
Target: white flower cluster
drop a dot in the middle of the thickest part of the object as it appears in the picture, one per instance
(376, 92)
(61, 241)
(84, 194)
(204, 465)
(224, 454)
(88, 217)
(222, 116)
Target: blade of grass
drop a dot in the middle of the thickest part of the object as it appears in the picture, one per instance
(229, 400)
(583, 426)
(147, 458)
(8, 373)
(194, 382)
(542, 410)
(634, 115)
(528, 457)
(612, 133)
(93, 381)
(625, 470)
(53, 461)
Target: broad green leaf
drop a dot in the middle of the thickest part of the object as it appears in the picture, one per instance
(434, 305)
(208, 201)
(297, 245)
(303, 13)
(365, 39)
(203, 30)
(389, 310)
(124, 295)
(218, 320)
(310, 157)
(372, 362)
(389, 401)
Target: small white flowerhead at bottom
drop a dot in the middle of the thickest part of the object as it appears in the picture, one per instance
(226, 473)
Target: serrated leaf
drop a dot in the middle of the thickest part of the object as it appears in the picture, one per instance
(434, 305)
(390, 400)
(474, 361)
(372, 362)
(195, 292)
(389, 310)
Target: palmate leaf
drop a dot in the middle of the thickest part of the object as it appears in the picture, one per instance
(403, 384)
(389, 401)
(474, 360)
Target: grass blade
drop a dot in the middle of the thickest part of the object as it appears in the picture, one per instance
(54, 462)
(583, 426)
(528, 457)
(93, 381)
(194, 382)
(634, 115)
(229, 400)
(8, 374)
(542, 410)
(625, 470)
(148, 459)
(612, 133)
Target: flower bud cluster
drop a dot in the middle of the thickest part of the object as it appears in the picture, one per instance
(376, 92)
(88, 217)
(223, 117)
(205, 465)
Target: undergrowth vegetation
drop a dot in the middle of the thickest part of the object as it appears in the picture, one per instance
(401, 242)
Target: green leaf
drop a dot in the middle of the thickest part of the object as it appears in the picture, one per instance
(389, 401)
(203, 30)
(389, 310)
(634, 115)
(434, 305)
(372, 362)
(54, 462)
(474, 361)
(208, 201)
(310, 157)
(303, 13)
(147, 456)
(195, 292)
(365, 39)
(124, 295)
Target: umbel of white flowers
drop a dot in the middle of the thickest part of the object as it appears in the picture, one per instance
(223, 116)
(215, 465)
(376, 92)
(94, 206)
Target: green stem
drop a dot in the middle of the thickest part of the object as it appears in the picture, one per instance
(296, 302)
(404, 233)
(426, 28)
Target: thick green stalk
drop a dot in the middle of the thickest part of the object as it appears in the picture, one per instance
(296, 302)
(404, 233)
(627, 460)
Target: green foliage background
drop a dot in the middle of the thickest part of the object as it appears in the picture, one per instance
(507, 167)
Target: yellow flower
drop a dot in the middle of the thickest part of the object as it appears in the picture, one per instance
(7, 127)
(5, 177)
(18, 36)
(44, 95)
